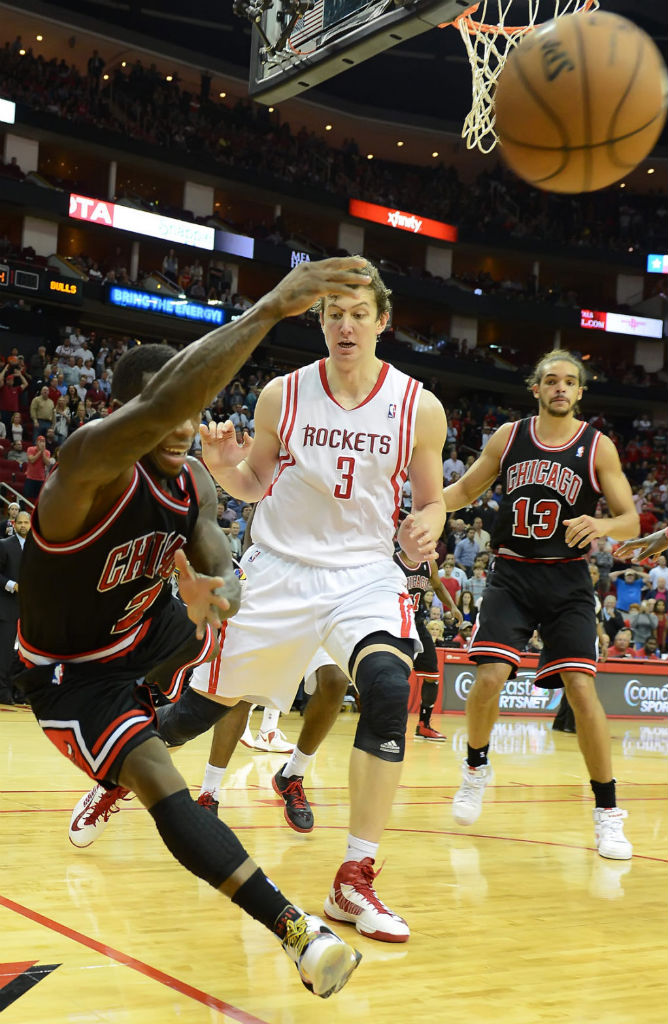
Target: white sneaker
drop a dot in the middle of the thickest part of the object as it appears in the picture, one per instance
(324, 961)
(609, 831)
(247, 738)
(274, 741)
(467, 801)
(353, 898)
(91, 815)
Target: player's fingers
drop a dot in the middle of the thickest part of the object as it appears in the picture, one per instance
(183, 565)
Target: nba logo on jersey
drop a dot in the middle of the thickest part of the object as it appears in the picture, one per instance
(391, 411)
(580, 452)
(57, 676)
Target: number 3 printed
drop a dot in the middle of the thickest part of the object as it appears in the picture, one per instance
(344, 488)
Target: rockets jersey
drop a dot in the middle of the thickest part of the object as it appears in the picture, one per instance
(94, 598)
(418, 579)
(542, 486)
(336, 493)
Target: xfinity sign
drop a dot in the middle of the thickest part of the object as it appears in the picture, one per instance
(412, 222)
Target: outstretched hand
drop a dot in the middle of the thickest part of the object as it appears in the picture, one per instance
(643, 547)
(308, 282)
(199, 594)
(220, 448)
(416, 540)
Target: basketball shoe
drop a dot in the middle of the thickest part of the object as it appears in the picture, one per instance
(425, 732)
(207, 801)
(91, 815)
(324, 961)
(274, 741)
(467, 801)
(353, 898)
(609, 831)
(297, 811)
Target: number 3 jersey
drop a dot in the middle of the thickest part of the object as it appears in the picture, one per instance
(336, 493)
(543, 486)
(94, 598)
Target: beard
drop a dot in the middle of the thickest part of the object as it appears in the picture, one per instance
(558, 411)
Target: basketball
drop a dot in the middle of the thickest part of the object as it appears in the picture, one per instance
(580, 102)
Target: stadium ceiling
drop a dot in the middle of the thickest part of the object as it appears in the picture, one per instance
(427, 77)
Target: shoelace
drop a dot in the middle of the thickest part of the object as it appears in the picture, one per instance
(106, 805)
(297, 935)
(295, 793)
(206, 800)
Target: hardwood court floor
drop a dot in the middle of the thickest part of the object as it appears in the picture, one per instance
(516, 920)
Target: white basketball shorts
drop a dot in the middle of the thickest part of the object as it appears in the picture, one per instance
(288, 610)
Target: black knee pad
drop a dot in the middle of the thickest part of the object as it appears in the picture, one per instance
(189, 717)
(382, 681)
(428, 694)
(198, 840)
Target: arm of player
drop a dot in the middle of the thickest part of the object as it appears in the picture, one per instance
(246, 470)
(481, 474)
(643, 547)
(97, 452)
(443, 593)
(420, 531)
(208, 550)
(624, 522)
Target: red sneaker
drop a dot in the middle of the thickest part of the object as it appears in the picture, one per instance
(353, 898)
(91, 815)
(425, 732)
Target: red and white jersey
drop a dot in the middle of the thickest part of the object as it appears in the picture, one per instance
(336, 493)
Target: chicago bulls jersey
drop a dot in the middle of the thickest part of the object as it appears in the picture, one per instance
(335, 497)
(126, 561)
(542, 486)
(418, 580)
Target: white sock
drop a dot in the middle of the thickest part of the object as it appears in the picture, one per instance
(358, 849)
(270, 719)
(297, 764)
(213, 778)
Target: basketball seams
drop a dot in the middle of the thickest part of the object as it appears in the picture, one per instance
(588, 156)
(564, 149)
(612, 141)
(526, 144)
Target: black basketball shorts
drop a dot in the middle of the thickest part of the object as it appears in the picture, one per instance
(426, 663)
(96, 712)
(556, 598)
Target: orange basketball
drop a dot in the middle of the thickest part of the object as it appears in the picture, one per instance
(580, 102)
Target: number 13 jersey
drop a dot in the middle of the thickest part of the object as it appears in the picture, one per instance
(336, 493)
(543, 486)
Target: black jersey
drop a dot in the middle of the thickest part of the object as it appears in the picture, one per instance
(95, 598)
(418, 579)
(541, 487)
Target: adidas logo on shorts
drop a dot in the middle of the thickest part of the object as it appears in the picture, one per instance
(390, 747)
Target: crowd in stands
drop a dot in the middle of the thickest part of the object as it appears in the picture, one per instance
(45, 398)
(138, 102)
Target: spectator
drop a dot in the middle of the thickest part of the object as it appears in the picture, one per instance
(622, 645)
(17, 454)
(42, 412)
(659, 591)
(476, 584)
(62, 418)
(170, 266)
(7, 524)
(39, 461)
(602, 558)
(482, 537)
(630, 585)
(466, 551)
(643, 623)
(648, 650)
(234, 538)
(661, 625)
(12, 385)
(660, 569)
(468, 608)
(612, 619)
(453, 464)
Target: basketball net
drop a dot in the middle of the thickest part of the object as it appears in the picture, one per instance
(488, 41)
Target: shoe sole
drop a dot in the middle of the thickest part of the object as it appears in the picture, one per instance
(431, 739)
(334, 969)
(459, 820)
(614, 856)
(80, 846)
(335, 913)
(295, 828)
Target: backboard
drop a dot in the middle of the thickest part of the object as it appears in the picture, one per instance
(333, 37)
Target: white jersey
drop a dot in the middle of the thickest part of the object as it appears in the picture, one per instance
(336, 493)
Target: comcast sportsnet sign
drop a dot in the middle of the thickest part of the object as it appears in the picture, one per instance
(403, 221)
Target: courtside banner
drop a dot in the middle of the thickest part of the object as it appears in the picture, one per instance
(401, 220)
(140, 222)
(627, 688)
(621, 323)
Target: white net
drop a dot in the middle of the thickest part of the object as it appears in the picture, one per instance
(490, 30)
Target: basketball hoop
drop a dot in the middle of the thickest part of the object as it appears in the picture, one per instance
(488, 45)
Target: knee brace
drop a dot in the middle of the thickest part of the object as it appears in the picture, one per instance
(428, 693)
(197, 839)
(382, 681)
(189, 717)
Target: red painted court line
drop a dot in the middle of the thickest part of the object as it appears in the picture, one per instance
(137, 965)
